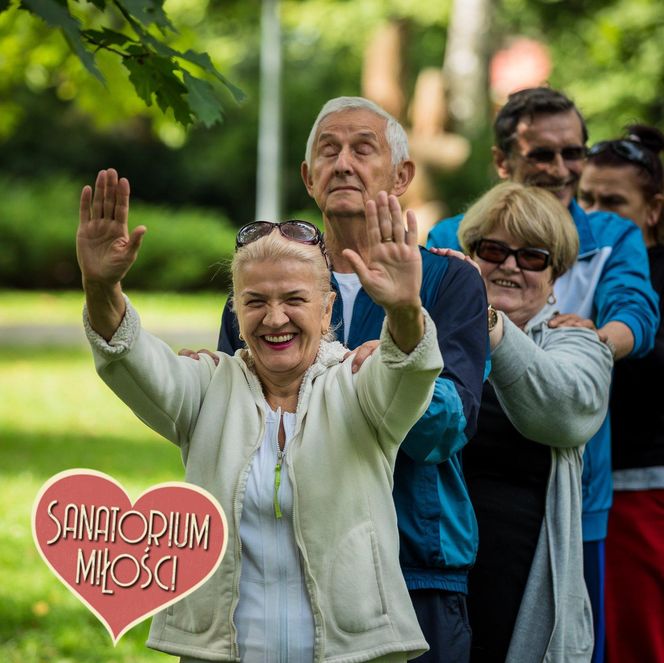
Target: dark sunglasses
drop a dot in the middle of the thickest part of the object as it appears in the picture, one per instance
(293, 229)
(534, 260)
(627, 150)
(548, 155)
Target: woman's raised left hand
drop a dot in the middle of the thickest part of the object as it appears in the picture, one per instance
(391, 272)
(391, 269)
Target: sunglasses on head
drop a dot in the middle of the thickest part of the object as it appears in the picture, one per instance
(534, 260)
(626, 149)
(293, 229)
(548, 155)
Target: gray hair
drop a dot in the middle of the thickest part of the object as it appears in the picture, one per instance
(394, 132)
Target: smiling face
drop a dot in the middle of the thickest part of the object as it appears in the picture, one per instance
(351, 162)
(282, 315)
(551, 131)
(617, 189)
(519, 293)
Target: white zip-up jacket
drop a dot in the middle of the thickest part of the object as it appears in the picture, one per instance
(348, 429)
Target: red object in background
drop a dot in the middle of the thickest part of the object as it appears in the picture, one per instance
(524, 63)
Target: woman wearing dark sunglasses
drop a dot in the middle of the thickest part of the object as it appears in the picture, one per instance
(625, 176)
(546, 395)
(297, 448)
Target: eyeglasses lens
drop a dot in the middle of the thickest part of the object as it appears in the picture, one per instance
(534, 260)
(300, 231)
(547, 155)
(253, 231)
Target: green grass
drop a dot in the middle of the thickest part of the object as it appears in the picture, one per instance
(56, 414)
(162, 310)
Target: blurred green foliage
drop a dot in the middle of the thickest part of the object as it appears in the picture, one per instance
(56, 414)
(57, 118)
(608, 55)
(185, 249)
(137, 34)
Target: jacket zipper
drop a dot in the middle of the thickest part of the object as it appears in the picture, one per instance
(281, 454)
(277, 482)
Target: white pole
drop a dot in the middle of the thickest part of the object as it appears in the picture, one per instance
(268, 182)
(464, 66)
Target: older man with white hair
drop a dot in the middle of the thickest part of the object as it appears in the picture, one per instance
(356, 149)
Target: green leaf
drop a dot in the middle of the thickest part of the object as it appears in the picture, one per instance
(200, 59)
(169, 90)
(153, 74)
(202, 100)
(141, 77)
(59, 17)
(170, 94)
(203, 60)
(147, 12)
(107, 37)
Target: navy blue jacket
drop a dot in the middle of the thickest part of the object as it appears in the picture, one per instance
(437, 526)
(609, 281)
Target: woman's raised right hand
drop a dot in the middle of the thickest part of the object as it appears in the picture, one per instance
(104, 247)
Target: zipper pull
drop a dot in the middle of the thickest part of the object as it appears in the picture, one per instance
(277, 483)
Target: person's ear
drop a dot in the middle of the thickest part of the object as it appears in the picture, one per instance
(501, 163)
(305, 172)
(326, 318)
(403, 176)
(655, 208)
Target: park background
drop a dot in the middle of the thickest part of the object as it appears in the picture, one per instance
(197, 171)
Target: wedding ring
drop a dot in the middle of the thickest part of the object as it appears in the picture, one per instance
(387, 239)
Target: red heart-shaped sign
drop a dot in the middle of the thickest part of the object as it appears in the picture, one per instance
(127, 561)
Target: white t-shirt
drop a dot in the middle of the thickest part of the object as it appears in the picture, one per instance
(349, 286)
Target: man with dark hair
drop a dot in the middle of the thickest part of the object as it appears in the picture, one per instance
(540, 139)
(527, 104)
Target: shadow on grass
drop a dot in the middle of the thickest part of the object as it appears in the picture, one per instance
(42, 455)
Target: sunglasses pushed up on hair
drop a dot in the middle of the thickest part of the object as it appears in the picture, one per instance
(295, 230)
(628, 150)
(531, 259)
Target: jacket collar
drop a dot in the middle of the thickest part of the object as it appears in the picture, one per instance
(541, 318)
(587, 241)
(329, 354)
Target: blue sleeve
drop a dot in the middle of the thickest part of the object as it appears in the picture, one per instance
(458, 308)
(624, 293)
(229, 334)
(444, 234)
